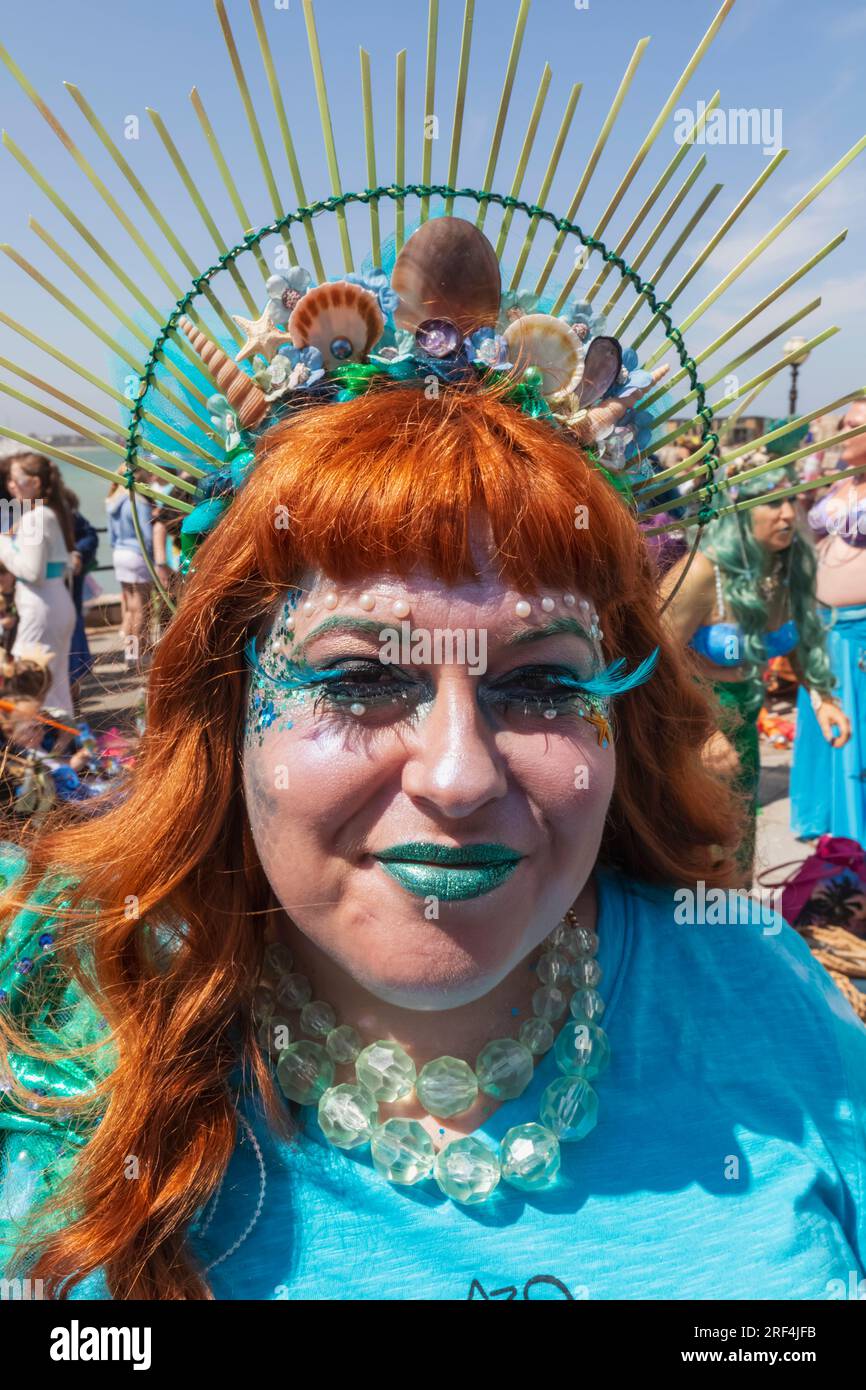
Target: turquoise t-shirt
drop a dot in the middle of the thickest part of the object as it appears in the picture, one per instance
(729, 1159)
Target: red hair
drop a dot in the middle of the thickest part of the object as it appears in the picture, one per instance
(386, 482)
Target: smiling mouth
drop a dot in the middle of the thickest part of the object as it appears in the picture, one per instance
(452, 872)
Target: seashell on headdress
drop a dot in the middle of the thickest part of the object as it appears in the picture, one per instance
(447, 270)
(548, 344)
(241, 392)
(343, 321)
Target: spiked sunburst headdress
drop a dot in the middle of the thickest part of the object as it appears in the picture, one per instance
(430, 305)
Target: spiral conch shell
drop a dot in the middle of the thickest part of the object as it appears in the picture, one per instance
(342, 320)
(241, 392)
(545, 342)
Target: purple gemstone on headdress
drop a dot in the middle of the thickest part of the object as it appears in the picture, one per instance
(341, 348)
(438, 337)
(4, 995)
(24, 966)
(46, 940)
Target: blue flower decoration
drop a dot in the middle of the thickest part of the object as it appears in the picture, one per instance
(285, 289)
(581, 314)
(516, 302)
(402, 348)
(377, 282)
(486, 348)
(632, 377)
(308, 357)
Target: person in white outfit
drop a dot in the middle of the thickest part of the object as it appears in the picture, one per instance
(37, 550)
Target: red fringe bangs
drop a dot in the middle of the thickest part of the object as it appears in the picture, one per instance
(392, 481)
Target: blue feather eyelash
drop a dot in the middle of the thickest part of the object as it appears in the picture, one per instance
(604, 685)
(297, 675)
(614, 680)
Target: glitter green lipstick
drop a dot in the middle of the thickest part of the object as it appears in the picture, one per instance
(447, 871)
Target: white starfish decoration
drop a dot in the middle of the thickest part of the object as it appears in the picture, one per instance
(263, 337)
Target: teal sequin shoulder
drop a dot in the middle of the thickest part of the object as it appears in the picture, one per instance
(38, 1150)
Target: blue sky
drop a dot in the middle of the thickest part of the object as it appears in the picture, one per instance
(802, 59)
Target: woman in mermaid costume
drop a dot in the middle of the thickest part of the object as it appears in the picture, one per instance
(748, 596)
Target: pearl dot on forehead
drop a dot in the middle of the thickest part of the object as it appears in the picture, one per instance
(400, 609)
(522, 608)
(366, 601)
(548, 605)
(330, 600)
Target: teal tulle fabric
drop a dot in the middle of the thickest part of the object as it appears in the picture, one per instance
(37, 1151)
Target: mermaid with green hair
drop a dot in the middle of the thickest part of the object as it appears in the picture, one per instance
(749, 595)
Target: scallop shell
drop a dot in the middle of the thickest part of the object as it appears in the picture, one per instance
(241, 392)
(447, 270)
(545, 342)
(333, 311)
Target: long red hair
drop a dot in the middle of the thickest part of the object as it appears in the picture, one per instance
(386, 482)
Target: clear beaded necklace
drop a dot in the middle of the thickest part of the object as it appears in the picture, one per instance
(466, 1170)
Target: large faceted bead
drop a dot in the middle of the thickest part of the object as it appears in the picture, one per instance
(585, 973)
(467, 1171)
(504, 1068)
(402, 1151)
(304, 1071)
(586, 1003)
(386, 1070)
(318, 1018)
(348, 1116)
(569, 1106)
(343, 1044)
(447, 1086)
(294, 991)
(582, 1049)
(275, 1034)
(553, 967)
(278, 958)
(529, 1157)
(582, 942)
(548, 1003)
(537, 1035)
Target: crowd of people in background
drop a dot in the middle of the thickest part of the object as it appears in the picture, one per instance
(48, 555)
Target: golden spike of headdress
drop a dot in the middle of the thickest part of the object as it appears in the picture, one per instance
(504, 102)
(460, 99)
(240, 390)
(643, 211)
(285, 131)
(429, 99)
(721, 232)
(523, 160)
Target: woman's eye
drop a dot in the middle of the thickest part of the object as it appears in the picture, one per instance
(369, 683)
(538, 690)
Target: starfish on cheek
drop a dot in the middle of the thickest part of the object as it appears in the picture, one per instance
(263, 336)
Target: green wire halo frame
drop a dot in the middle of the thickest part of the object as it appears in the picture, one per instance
(398, 192)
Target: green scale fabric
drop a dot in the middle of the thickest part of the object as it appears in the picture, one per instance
(37, 1151)
(739, 724)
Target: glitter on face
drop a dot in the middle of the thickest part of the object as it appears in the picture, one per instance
(267, 704)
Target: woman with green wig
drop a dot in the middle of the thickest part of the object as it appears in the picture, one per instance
(749, 595)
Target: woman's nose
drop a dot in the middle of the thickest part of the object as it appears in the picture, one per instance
(454, 765)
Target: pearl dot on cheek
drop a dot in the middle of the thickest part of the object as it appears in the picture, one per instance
(400, 609)
(358, 709)
(523, 609)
